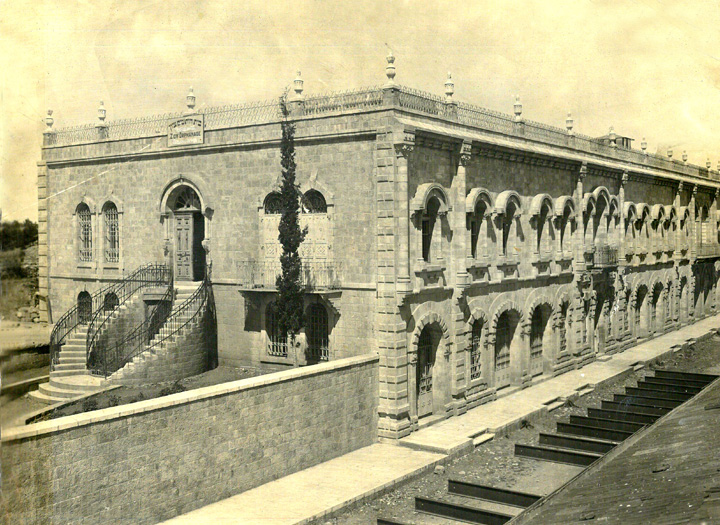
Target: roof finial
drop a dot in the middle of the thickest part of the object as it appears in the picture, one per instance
(298, 85)
(390, 68)
(101, 112)
(449, 88)
(569, 123)
(684, 157)
(49, 121)
(708, 164)
(190, 100)
(518, 109)
(669, 152)
(643, 146)
(613, 137)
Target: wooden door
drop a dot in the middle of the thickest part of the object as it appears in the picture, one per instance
(504, 337)
(184, 246)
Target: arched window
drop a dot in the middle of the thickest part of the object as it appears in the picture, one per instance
(84, 307)
(567, 228)
(277, 342)
(545, 230)
(313, 202)
(187, 200)
(273, 204)
(656, 305)
(639, 304)
(84, 222)
(476, 349)
(429, 220)
(112, 233)
(478, 225)
(318, 339)
(110, 302)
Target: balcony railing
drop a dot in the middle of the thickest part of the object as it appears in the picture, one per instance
(314, 275)
(606, 256)
(708, 250)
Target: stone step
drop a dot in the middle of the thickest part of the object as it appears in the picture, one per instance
(59, 393)
(73, 353)
(84, 383)
(71, 359)
(43, 398)
(69, 366)
(65, 373)
(75, 346)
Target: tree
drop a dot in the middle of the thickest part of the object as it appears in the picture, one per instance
(288, 308)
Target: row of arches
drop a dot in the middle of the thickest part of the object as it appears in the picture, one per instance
(312, 201)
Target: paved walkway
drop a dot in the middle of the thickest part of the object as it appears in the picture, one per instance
(330, 486)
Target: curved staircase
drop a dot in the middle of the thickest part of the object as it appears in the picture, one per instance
(69, 378)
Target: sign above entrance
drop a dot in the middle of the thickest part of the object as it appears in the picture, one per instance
(186, 130)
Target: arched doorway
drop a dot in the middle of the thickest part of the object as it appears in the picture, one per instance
(641, 321)
(84, 307)
(189, 232)
(427, 351)
(505, 332)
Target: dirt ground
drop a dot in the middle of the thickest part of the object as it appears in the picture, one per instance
(494, 463)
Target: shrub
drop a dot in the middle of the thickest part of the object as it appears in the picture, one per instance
(174, 389)
(113, 401)
(89, 404)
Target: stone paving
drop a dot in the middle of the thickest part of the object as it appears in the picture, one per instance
(328, 487)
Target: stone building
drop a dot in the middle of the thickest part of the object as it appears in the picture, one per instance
(476, 252)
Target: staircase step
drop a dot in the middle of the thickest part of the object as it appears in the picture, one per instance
(71, 359)
(60, 393)
(76, 347)
(73, 353)
(43, 398)
(69, 366)
(83, 383)
(65, 373)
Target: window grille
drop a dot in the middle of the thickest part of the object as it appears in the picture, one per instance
(110, 302)
(273, 204)
(84, 307)
(84, 233)
(187, 199)
(426, 238)
(317, 333)
(476, 350)
(536, 334)
(502, 343)
(425, 360)
(563, 328)
(277, 343)
(112, 234)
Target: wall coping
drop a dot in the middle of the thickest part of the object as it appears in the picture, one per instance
(181, 398)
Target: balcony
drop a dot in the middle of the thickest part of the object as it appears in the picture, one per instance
(314, 275)
(606, 256)
(708, 250)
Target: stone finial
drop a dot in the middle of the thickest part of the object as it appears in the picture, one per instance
(49, 121)
(449, 88)
(643, 146)
(518, 109)
(708, 164)
(569, 123)
(684, 156)
(613, 137)
(390, 69)
(102, 113)
(669, 153)
(190, 100)
(298, 85)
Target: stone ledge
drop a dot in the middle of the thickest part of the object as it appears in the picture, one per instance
(199, 394)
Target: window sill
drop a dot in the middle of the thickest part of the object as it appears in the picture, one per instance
(86, 265)
(425, 268)
(477, 264)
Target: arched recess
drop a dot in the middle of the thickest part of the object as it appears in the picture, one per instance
(630, 234)
(541, 215)
(566, 223)
(656, 320)
(429, 208)
(478, 206)
(542, 347)
(187, 217)
(564, 311)
(505, 339)
(642, 228)
(589, 207)
(428, 376)
(477, 330)
(508, 209)
(424, 193)
(640, 310)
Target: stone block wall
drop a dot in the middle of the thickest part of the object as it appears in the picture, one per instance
(156, 459)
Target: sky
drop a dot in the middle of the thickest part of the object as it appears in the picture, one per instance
(648, 68)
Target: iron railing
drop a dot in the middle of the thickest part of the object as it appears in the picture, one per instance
(77, 315)
(146, 276)
(166, 323)
(109, 354)
(606, 256)
(313, 275)
(708, 250)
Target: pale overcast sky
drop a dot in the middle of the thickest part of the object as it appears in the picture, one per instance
(648, 68)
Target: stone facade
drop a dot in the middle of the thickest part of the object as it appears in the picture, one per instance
(476, 252)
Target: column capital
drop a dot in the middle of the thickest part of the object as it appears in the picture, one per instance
(624, 178)
(583, 172)
(466, 153)
(404, 142)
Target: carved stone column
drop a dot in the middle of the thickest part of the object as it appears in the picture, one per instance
(404, 144)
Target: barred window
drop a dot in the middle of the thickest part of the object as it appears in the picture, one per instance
(112, 233)
(84, 307)
(84, 221)
(476, 350)
(273, 204)
(277, 342)
(313, 202)
(110, 302)
(318, 333)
